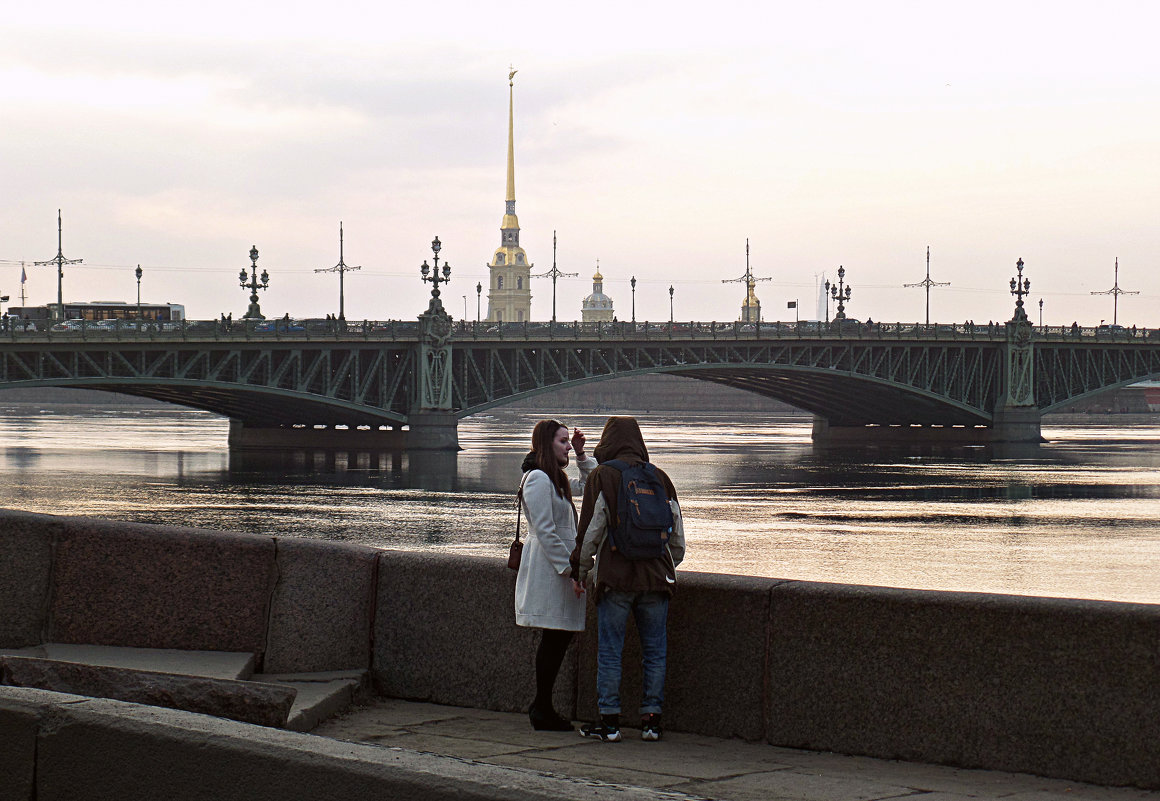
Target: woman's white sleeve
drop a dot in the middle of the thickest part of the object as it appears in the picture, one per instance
(538, 495)
(586, 466)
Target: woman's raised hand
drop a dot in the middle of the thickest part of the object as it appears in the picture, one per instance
(578, 442)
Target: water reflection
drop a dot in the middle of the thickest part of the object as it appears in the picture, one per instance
(1075, 516)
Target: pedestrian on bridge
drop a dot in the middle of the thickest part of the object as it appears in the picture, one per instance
(547, 596)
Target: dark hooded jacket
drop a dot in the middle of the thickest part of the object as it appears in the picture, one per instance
(621, 440)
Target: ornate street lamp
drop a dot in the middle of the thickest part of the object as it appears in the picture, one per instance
(1020, 286)
(138, 273)
(670, 306)
(840, 293)
(434, 278)
(632, 283)
(254, 283)
(478, 297)
(1041, 312)
(826, 294)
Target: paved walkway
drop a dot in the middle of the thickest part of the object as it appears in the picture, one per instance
(687, 765)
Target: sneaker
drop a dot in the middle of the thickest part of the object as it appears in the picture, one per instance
(606, 731)
(650, 727)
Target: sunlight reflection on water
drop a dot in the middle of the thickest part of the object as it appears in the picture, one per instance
(1075, 519)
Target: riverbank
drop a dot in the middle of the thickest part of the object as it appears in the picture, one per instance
(1054, 687)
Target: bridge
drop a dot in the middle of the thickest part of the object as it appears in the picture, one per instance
(407, 383)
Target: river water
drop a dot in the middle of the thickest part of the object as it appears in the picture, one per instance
(1076, 517)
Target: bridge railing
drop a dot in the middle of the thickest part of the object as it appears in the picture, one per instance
(614, 331)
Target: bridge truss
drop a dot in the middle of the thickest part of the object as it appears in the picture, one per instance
(925, 378)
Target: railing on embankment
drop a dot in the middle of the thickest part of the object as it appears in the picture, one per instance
(1061, 688)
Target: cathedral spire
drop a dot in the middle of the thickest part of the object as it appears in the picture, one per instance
(509, 298)
(510, 208)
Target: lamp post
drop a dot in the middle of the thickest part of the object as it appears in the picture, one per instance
(555, 273)
(826, 293)
(138, 273)
(434, 278)
(254, 284)
(465, 309)
(670, 306)
(841, 293)
(1041, 312)
(632, 283)
(478, 296)
(1020, 286)
(341, 269)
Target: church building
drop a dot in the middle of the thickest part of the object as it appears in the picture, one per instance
(597, 307)
(509, 295)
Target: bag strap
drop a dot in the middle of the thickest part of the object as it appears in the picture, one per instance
(520, 503)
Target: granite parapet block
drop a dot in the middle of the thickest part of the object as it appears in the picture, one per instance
(19, 723)
(445, 632)
(1055, 687)
(246, 701)
(103, 750)
(26, 542)
(715, 670)
(161, 587)
(323, 604)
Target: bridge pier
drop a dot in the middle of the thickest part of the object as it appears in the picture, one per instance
(432, 431)
(256, 438)
(1017, 424)
(1012, 425)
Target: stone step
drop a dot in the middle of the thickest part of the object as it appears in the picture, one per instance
(320, 695)
(209, 664)
(266, 704)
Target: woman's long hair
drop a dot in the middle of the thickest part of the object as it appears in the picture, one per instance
(543, 435)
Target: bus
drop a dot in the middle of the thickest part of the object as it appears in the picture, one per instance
(102, 310)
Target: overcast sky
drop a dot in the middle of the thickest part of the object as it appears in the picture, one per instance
(651, 138)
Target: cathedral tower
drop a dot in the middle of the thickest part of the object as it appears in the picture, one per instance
(509, 295)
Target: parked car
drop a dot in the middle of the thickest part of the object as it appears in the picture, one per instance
(69, 325)
(281, 326)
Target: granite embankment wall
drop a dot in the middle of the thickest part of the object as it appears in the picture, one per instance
(1054, 687)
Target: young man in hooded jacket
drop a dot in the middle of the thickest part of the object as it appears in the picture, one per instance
(622, 586)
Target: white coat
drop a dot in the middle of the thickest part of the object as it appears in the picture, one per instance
(544, 596)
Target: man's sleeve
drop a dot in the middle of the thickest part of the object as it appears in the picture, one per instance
(677, 538)
(593, 538)
(587, 507)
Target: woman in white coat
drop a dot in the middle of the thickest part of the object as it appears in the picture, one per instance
(547, 597)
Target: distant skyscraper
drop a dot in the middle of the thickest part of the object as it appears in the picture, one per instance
(509, 295)
(597, 307)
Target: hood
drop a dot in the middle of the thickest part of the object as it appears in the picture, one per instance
(621, 439)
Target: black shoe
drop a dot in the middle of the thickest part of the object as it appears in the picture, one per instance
(550, 720)
(606, 731)
(650, 727)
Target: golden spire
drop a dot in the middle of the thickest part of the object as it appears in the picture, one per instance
(511, 172)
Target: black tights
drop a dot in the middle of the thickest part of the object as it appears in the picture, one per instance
(549, 656)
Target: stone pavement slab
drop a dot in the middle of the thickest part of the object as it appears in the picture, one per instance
(688, 765)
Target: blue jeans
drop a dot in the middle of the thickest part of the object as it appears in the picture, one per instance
(651, 611)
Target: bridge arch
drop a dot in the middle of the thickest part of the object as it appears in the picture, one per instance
(252, 405)
(847, 399)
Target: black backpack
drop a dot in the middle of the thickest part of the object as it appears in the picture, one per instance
(644, 518)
